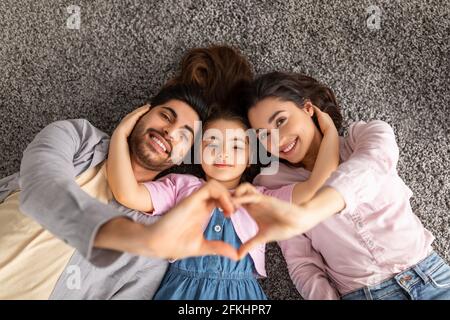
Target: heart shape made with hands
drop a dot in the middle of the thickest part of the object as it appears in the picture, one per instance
(180, 231)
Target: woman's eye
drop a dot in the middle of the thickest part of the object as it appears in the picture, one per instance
(280, 121)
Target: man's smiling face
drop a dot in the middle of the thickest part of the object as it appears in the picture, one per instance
(164, 135)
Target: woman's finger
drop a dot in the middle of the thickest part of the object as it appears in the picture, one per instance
(247, 199)
(245, 188)
(249, 245)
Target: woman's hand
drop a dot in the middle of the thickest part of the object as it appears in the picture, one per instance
(128, 123)
(279, 220)
(276, 219)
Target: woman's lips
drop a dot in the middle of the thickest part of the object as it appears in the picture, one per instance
(289, 148)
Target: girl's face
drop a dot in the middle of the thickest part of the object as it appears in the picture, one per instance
(295, 125)
(225, 151)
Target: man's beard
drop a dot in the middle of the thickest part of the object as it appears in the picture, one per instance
(143, 153)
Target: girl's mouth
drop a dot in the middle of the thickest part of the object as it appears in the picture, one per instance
(222, 165)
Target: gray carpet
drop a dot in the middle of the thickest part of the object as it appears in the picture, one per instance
(125, 50)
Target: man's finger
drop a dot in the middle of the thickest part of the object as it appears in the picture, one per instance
(220, 248)
(249, 245)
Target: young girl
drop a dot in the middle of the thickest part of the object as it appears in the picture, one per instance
(225, 158)
(375, 248)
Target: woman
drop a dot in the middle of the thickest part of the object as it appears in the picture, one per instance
(375, 248)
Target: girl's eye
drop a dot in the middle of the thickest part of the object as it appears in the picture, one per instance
(280, 121)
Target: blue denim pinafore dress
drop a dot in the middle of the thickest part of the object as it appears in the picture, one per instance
(212, 277)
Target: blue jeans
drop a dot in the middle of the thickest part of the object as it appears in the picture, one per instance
(427, 280)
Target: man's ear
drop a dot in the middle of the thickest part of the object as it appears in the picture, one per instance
(308, 107)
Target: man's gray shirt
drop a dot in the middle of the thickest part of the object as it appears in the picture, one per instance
(50, 195)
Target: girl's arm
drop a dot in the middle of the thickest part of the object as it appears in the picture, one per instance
(327, 160)
(121, 179)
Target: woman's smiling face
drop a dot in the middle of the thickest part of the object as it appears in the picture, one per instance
(295, 125)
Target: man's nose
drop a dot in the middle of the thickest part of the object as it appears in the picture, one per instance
(169, 133)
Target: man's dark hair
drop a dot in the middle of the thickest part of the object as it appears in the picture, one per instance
(189, 94)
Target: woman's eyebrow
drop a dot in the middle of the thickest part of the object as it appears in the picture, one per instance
(272, 117)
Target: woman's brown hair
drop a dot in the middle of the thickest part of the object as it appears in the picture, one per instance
(294, 87)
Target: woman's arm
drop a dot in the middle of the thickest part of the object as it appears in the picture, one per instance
(327, 160)
(121, 179)
(306, 268)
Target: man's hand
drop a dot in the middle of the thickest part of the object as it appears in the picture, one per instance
(178, 234)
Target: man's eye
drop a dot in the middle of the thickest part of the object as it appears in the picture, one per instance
(165, 116)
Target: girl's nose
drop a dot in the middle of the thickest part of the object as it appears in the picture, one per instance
(223, 156)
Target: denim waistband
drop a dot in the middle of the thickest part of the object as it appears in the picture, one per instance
(235, 275)
(414, 274)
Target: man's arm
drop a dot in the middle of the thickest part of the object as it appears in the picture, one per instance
(50, 194)
(52, 197)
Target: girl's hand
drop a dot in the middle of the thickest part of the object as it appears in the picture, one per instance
(276, 219)
(128, 123)
(324, 119)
